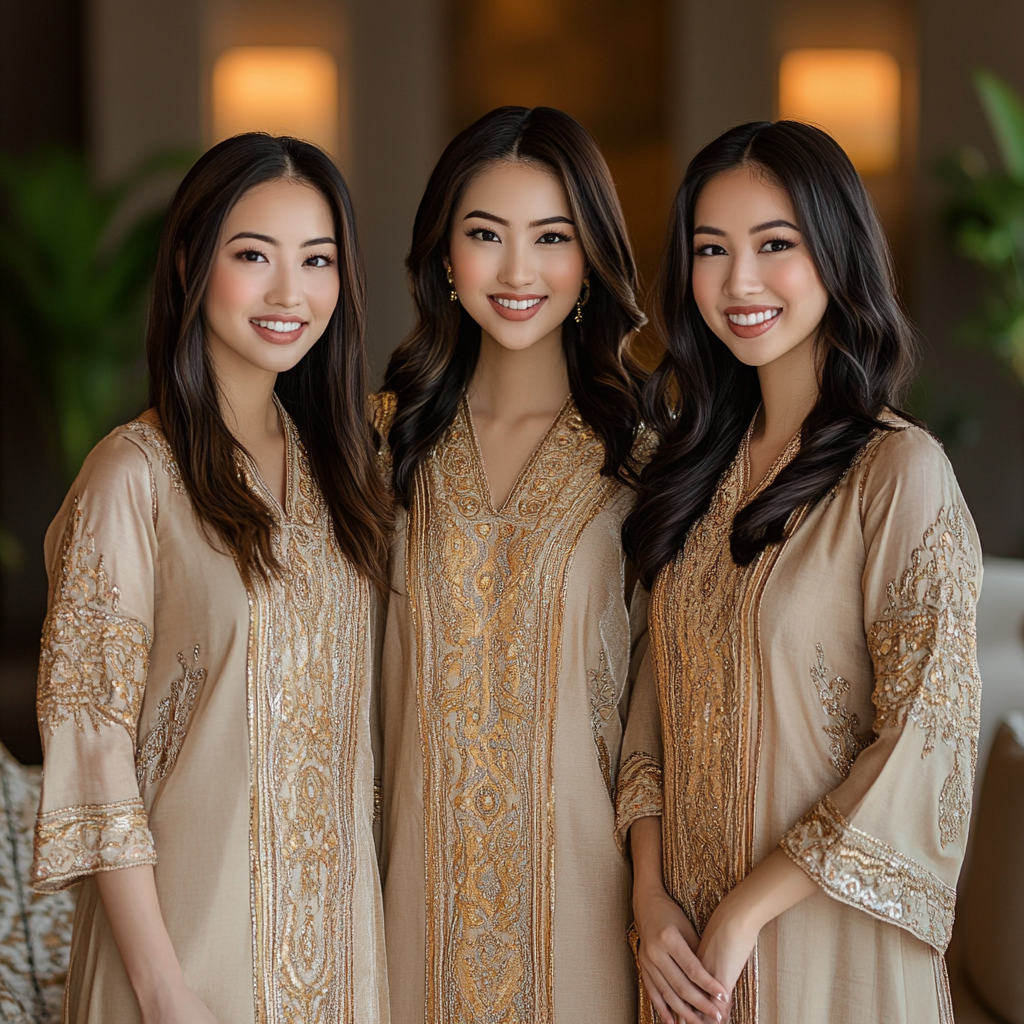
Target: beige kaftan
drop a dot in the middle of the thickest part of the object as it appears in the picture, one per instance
(504, 687)
(219, 733)
(825, 697)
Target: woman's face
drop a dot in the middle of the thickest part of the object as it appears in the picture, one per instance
(274, 282)
(753, 277)
(515, 255)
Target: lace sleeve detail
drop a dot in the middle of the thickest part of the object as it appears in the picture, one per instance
(78, 841)
(863, 872)
(638, 794)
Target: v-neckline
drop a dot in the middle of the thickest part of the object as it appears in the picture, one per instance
(480, 468)
(788, 453)
(277, 507)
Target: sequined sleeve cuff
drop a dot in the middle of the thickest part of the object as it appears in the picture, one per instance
(638, 794)
(863, 872)
(78, 841)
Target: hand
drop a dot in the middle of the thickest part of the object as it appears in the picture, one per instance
(726, 945)
(681, 989)
(177, 1005)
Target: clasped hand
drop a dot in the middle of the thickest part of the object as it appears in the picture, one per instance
(690, 981)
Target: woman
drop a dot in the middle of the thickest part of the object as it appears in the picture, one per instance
(204, 685)
(815, 574)
(513, 618)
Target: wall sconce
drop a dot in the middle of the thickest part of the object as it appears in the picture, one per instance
(284, 90)
(853, 94)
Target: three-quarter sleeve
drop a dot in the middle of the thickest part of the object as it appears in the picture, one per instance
(639, 790)
(96, 640)
(890, 839)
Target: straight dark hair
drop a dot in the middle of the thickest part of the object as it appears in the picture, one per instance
(325, 393)
(701, 398)
(430, 370)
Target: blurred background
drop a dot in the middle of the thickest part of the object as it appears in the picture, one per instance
(103, 103)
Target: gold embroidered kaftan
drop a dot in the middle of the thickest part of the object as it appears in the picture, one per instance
(826, 697)
(218, 733)
(505, 679)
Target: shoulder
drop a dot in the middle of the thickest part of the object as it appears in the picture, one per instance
(120, 457)
(906, 458)
(383, 405)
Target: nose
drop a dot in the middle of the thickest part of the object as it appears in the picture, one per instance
(743, 279)
(516, 269)
(285, 288)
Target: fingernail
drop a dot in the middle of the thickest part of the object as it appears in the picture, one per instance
(721, 998)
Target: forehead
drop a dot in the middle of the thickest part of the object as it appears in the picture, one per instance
(281, 201)
(516, 187)
(738, 199)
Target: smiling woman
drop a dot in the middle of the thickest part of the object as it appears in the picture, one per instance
(812, 707)
(514, 621)
(205, 678)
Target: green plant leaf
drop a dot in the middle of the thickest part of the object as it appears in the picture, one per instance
(1005, 114)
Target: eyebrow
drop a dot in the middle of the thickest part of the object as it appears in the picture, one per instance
(703, 229)
(484, 215)
(273, 241)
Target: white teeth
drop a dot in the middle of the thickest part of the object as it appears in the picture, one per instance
(750, 319)
(517, 303)
(280, 326)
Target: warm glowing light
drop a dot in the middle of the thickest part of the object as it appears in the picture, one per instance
(853, 94)
(284, 90)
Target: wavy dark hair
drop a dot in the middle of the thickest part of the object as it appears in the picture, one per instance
(325, 393)
(701, 398)
(430, 370)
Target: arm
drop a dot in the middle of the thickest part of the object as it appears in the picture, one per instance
(679, 986)
(774, 886)
(130, 900)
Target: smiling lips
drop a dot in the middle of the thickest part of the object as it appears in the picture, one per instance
(279, 332)
(751, 321)
(516, 307)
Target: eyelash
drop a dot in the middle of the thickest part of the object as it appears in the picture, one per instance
(477, 232)
(328, 260)
(787, 243)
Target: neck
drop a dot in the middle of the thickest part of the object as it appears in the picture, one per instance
(247, 402)
(789, 391)
(511, 384)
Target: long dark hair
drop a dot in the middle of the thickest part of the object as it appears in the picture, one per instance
(701, 398)
(325, 393)
(430, 370)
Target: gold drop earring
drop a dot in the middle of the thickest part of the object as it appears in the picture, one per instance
(454, 297)
(582, 300)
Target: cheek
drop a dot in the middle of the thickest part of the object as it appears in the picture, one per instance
(322, 294)
(230, 290)
(707, 287)
(564, 270)
(472, 264)
(797, 282)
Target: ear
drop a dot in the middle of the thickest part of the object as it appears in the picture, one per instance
(179, 263)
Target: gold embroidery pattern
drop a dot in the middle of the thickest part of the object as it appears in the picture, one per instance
(486, 594)
(703, 623)
(158, 754)
(861, 871)
(844, 731)
(639, 793)
(77, 841)
(924, 654)
(308, 662)
(93, 661)
(154, 437)
(604, 700)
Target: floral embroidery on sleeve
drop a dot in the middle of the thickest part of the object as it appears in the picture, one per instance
(639, 793)
(78, 841)
(843, 729)
(924, 653)
(92, 668)
(861, 871)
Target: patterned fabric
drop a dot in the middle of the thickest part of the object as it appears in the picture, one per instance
(35, 929)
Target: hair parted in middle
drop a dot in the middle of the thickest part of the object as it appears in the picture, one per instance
(430, 370)
(325, 393)
(701, 398)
